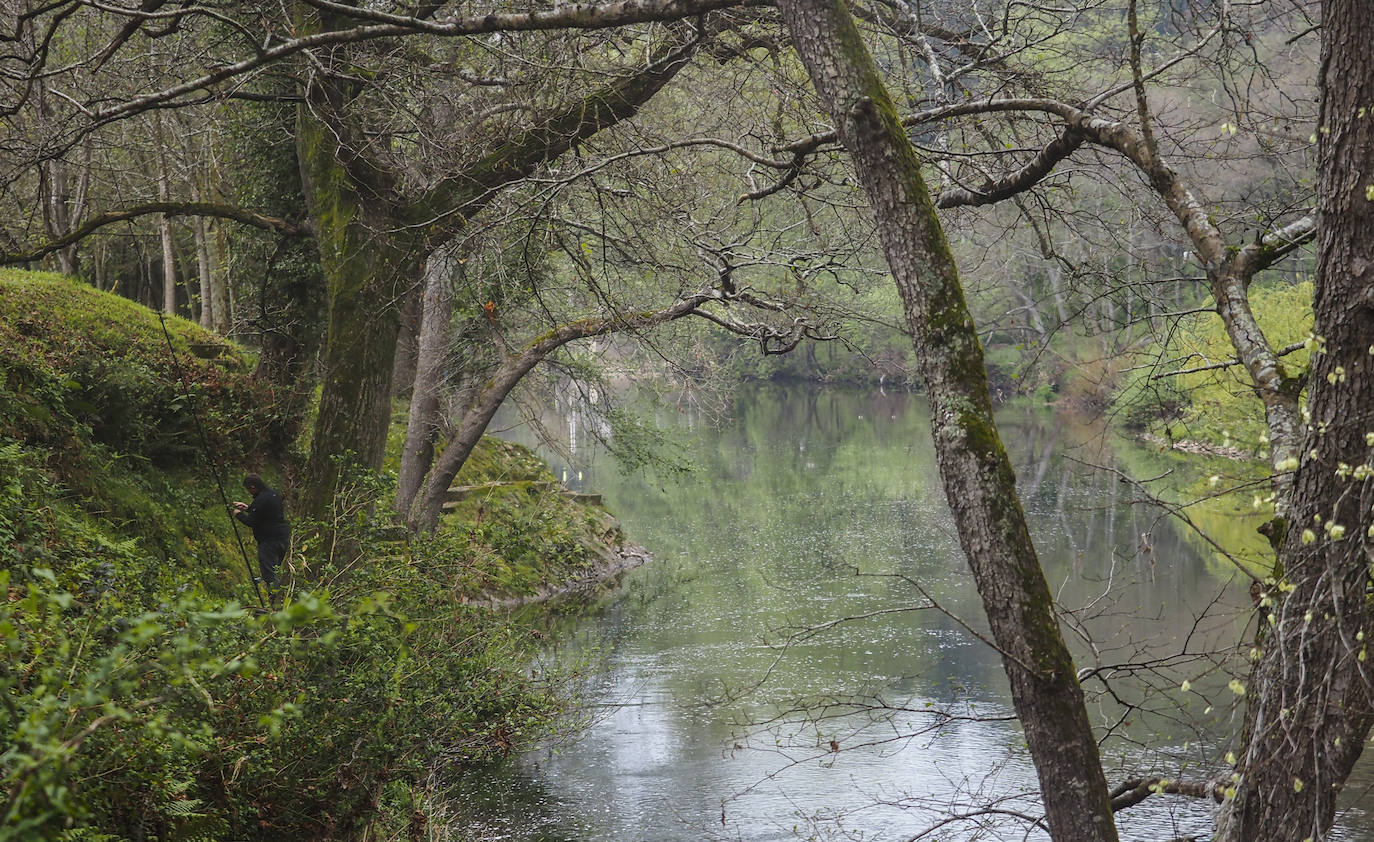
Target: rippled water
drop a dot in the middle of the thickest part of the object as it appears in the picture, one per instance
(782, 619)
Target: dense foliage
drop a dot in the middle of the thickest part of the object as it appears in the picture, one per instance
(140, 699)
(1194, 390)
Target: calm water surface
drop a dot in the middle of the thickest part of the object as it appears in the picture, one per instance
(791, 611)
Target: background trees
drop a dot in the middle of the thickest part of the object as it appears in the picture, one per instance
(385, 182)
(550, 175)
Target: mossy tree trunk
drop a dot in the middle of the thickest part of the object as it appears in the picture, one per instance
(977, 475)
(372, 238)
(365, 268)
(1310, 710)
(352, 206)
(265, 283)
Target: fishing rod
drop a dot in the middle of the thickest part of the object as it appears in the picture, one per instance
(210, 457)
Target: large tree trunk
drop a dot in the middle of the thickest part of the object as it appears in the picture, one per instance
(1310, 710)
(978, 478)
(357, 213)
(365, 269)
(365, 262)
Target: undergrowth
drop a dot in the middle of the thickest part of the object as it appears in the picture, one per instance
(143, 694)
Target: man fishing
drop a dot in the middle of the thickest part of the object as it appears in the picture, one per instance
(267, 518)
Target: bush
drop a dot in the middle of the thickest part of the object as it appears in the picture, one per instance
(139, 700)
(194, 719)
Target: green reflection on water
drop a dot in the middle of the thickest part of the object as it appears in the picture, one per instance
(809, 506)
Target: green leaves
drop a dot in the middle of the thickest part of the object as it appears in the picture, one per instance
(137, 699)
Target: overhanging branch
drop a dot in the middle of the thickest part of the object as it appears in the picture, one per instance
(211, 209)
(570, 16)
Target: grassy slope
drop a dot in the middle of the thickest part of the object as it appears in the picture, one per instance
(91, 397)
(140, 700)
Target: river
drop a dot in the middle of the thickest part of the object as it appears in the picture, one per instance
(803, 659)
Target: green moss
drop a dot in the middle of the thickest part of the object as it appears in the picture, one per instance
(93, 401)
(128, 660)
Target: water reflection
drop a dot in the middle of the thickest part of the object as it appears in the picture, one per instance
(813, 506)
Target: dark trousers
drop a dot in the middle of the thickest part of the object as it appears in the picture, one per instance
(270, 554)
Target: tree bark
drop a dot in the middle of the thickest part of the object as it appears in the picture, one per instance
(977, 476)
(422, 425)
(1310, 710)
(207, 306)
(365, 267)
(221, 316)
(63, 206)
(405, 359)
(164, 226)
(169, 269)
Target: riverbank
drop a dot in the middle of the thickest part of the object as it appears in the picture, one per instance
(149, 694)
(603, 574)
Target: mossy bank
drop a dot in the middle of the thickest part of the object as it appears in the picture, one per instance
(144, 695)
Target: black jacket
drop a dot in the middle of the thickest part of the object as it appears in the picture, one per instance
(266, 516)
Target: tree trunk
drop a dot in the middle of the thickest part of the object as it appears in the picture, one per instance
(365, 269)
(1056, 272)
(59, 214)
(1310, 710)
(425, 513)
(207, 308)
(63, 206)
(164, 228)
(99, 261)
(221, 312)
(422, 425)
(169, 269)
(405, 359)
(977, 476)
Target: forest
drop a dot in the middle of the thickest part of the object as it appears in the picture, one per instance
(353, 246)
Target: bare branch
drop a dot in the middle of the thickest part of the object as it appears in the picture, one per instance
(247, 217)
(1023, 179)
(1132, 792)
(583, 16)
(1284, 351)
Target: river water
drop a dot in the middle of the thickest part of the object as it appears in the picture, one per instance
(803, 659)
